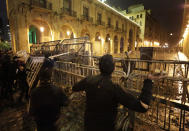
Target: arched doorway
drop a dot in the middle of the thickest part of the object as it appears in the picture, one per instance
(72, 36)
(130, 39)
(115, 44)
(107, 44)
(121, 45)
(97, 44)
(66, 32)
(34, 35)
(85, 33)
(97, 37)
(43, 32)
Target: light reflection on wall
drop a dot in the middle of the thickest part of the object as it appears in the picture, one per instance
(151, 44)
(182, 56)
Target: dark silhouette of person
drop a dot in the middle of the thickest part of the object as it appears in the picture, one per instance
(46, 100)
(103, 97)
(5, 77)
(21, 80)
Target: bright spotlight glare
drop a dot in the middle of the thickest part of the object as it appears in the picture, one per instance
(68, 33)
(42, 29)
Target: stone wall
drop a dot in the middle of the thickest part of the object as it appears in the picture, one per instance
(58, 24)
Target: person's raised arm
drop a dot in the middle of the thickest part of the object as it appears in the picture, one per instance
(146, 93)
(128, 100)
(141, 104)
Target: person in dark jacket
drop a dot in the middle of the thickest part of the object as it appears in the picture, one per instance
(21, 81)
(103, 97)
(46, 100)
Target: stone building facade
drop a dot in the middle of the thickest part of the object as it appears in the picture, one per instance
(184, 41)
(152, 33)
(34, 21)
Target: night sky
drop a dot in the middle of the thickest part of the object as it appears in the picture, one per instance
(3, 14)
(167, 12)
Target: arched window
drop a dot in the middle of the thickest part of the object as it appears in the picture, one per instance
(121, 45)
(42, 2)
(97, 37)
(72, 36)
(108, 38)
(107, 44)
(115, 44)
(67, 5)
(130, 39)
(33, 35)
(87, 35)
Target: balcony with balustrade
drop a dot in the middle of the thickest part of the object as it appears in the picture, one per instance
(86, 18)
(100, 23)
(69, 12)
(41, 4)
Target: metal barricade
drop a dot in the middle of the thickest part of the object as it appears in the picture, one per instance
(170, 107)
(68, 73)
(34, 65)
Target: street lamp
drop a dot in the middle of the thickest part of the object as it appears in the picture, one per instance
(99, 38)
(68, 33)
(42, 29)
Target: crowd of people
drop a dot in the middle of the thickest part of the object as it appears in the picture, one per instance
(46, 100)
(13, 74)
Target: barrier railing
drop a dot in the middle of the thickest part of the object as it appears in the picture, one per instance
(68, 73)
(80, 45)
(170, 107)
(34, 64)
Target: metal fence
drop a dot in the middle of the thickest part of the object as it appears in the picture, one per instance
(169, 109)
(170, 106)
(68, 73)
(34, 64)
(81, 46)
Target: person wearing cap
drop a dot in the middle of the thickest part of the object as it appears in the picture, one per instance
(46, 100)
(103, 97)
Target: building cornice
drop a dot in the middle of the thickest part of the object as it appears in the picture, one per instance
(117, 12)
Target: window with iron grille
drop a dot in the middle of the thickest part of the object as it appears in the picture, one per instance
(99, 18)
(121, 45)
(67, 4)
(115, 44)
(86, 12)
(109, 21)
(117, 24)
(123, 27)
